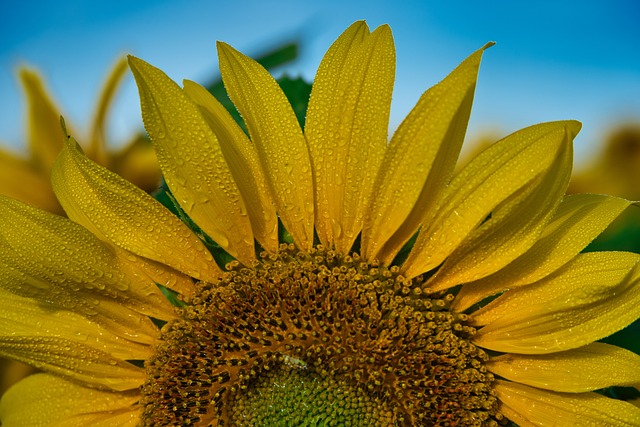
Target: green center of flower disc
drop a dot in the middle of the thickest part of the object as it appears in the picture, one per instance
(317, 339)
(292, 394)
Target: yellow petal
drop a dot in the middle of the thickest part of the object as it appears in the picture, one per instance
(12, 371)
(346, 128)
(514, 416)
(587, 368)
(102, 306)
(594, 296)
(117, 211)
(321, 127)
(142, 271)
(96, 150)
(277, 136)
(579, 219)
(482, 185)
(20, 180)
(608, 266)
(242, 158)
(44, 134)
(512, 229)
(192, 162)
(51, 258)
(66, 343)
(420, 160)
(561, 409)
(44, 400)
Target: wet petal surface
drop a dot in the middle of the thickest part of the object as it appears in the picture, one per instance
(483, 185)
(44, 400)
(587, 368)
(242, 158)
(346, 128)
(579, 219)
(68, 344)
(591, 298)
(119, 212)
(419, 161)
(561, 409)
(281, 146)
(192, 161)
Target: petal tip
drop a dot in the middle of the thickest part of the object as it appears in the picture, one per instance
(136, 64)
(223, 47)
(573, 126)
(488, 45)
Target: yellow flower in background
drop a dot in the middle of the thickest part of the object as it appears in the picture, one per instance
(616, 170)
(371, 285)
(27, 179)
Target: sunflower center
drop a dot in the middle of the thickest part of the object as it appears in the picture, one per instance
(293, 394)
(318, 339)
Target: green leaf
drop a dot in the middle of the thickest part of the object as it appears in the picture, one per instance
(297, 92)
(622, 235)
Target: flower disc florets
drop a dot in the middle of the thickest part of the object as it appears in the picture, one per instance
(318, 338)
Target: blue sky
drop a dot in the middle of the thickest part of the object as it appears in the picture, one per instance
(553, 60)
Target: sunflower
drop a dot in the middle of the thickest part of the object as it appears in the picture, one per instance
(325, 277)
(27, 179)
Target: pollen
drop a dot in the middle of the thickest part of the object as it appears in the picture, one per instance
(318, 338)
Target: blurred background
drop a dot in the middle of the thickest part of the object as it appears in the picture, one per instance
(553, 60)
